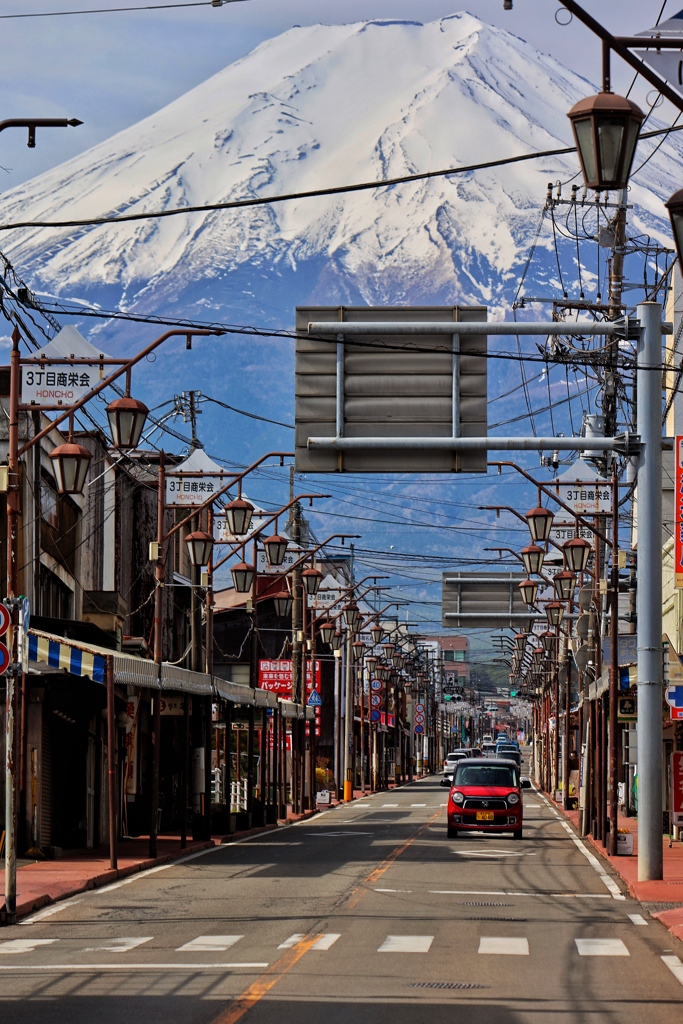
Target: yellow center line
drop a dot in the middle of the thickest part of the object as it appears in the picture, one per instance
(259, 988)
(376, 873)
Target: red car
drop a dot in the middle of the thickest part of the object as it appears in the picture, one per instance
(486, 796)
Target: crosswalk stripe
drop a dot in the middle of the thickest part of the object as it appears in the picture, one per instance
(292, 940)
(675, 966)
(637, 919)
(406, 944)
(24, 945)
(326, 941)
(118, 945)
(209, 944)
(503, 945)
(601, 947)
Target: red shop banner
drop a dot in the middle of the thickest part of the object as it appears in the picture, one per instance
(277, 676)
(678, 514)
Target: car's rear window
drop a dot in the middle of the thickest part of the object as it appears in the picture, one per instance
(484, 775)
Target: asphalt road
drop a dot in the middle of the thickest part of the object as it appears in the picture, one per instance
(366, 914)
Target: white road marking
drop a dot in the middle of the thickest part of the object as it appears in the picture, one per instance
(326, 941)
(675, 966)
(118, 945)
(601, 947)
(389, 805)
(608, 882)
(418, 805)
(637, 919)
(362, 805)
(503, 946)
(209, 944)
(500, 892)
(292, 940)
(490, 854)
(42, 914)
(467, 892)
(406, 944)
(126, 967)
(392, 890)
(24, 945)
(325, 835)
(536, 807)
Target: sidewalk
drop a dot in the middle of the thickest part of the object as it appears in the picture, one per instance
(667, 890)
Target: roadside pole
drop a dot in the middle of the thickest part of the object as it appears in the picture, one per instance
(649, 594)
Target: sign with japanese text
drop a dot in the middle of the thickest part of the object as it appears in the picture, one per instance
(47, 382)
(678, 514)
(583, 491)
(292, 555)
(562, 532)
(194, 480)
(276, 676)
(677, 782)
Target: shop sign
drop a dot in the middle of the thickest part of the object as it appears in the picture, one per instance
(49, 383)
(276, 676)
(678, 514)
(195, 480)
(584, 491)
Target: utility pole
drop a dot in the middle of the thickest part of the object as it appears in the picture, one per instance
(297, 636)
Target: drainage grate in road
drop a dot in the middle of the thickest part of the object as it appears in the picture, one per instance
(445, 984)
(480, 918)
(485, 904)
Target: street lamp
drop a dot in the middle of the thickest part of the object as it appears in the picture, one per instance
(276, 549)
(519, 640)
(554, 611)
(352, 616)
(70, 463)
(529, 591)
(199, 547)
(533, 556)
(337, 641)
(564, 584)
(326, 632)
(576, 554)
(238, 514)
(371, 663)
(283, 605)
(311, 579)
(127, 418)
(376, 632)
(548, 641)
(539, 521)
(606, 130)
(388, 649)
(357, 649)
(242, 577)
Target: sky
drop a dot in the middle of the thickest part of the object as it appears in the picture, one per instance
(110, 70)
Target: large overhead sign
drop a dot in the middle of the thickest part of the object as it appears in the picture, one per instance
(476, 599)
(584, 491)
(367, 386)
(195, 480)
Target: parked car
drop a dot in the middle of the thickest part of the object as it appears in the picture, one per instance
(510, 753)
(486, 796)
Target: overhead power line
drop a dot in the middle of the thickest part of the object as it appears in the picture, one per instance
(119, 10)
(363, 186)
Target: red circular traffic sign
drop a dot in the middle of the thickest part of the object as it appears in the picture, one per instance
(419, 719)
(419, 707)
(4, 657)
(5, 620)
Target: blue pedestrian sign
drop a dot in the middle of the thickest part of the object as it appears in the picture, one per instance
(314, 700)
(674, 696)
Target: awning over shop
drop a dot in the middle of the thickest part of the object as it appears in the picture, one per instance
(60, 654)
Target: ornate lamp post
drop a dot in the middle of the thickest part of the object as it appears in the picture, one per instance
(606, 130)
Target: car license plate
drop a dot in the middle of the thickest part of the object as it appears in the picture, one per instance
(484, 815)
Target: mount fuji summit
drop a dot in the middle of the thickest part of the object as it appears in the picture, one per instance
(314, 108)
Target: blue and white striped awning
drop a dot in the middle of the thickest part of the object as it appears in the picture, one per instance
(64, 656)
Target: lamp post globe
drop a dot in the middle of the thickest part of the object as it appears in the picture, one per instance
(242, 577)
(540, 521)
(357, 649)
(389, 650)
(554, 611)
(199, 547)
(337, 640)
(238, 515)
(519, 641)
(352, 616)
(576, 554)
(70, 463)
(326, 631)
(276, 549)
(371, 662)
(548, 641)
(532, 556)
(529, 591)
(376, 632)
(311, 579)
(564, 584)
(127, 417)
(606, 130)
(283, 605)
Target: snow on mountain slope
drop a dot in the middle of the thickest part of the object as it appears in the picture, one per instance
(311, 108)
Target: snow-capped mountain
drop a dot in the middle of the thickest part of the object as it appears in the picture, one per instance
(313, 108)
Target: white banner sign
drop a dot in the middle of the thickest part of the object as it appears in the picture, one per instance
(583, 491)
(194, 480)
(45, 382)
